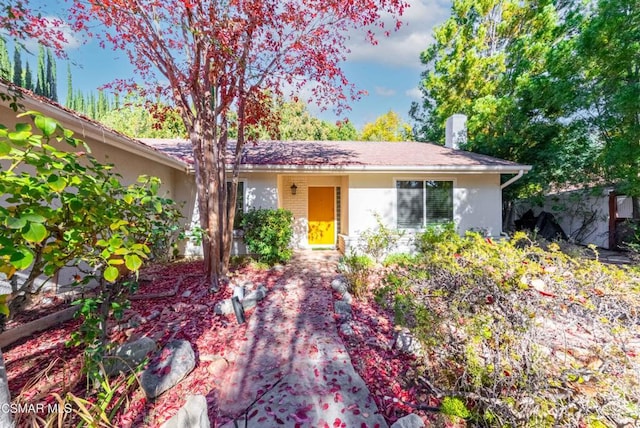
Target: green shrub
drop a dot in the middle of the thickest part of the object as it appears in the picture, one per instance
(380, 241)
(268, 233)
(437, 233)
(356, 269)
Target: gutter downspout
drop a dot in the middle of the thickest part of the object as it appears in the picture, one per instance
(512, 180)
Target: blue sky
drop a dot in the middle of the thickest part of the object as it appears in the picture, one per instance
(389, 71)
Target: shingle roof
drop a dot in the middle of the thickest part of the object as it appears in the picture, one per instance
(348, 155)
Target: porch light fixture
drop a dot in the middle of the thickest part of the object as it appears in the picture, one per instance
(294, 189)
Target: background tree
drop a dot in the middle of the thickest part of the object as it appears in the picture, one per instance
(607, 58)
(5, 62)
(17, 66)
(387, 127)
(218, 57)
(502, 64)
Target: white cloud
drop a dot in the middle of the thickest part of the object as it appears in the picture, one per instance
(403, 47)
(385, 92)
(414, 93)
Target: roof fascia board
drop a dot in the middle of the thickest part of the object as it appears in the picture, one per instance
(462, 169)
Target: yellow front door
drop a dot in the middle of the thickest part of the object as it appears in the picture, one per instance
(322, 218)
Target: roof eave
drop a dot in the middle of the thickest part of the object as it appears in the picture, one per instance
(459, 169)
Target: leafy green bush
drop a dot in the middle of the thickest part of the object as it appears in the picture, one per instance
(268, 233)
(492, 316)
(380, 241)
(64, 208)
(356, 269)
(437, 234)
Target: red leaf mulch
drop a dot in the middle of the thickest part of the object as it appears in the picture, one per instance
(41, 364)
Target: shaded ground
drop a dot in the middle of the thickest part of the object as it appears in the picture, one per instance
(292, 368)
(286, 365)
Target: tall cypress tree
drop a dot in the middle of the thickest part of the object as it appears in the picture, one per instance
(41, 74)
(51, 81)
(17, 66)
(5, 63)
(27, 81)
(69, 101)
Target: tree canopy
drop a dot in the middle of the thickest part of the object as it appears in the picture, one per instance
(221, 60)
(387, 127)
(543, 83)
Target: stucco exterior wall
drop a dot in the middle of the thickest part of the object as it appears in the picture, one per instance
(477, 200)
(582, 214)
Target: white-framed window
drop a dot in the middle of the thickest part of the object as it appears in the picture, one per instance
(423, 202)
(240, 206)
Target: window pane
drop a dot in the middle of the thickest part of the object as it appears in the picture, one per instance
(439, 201)
(410, 205)
(239, 203)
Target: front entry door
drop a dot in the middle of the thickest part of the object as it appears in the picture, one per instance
(322, 217)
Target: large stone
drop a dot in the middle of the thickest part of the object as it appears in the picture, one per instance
(407, 343)
(252, 299)
(224, 307)
(410, 421)
(347, 329)
(339, 285)
(175, 361)
(192, 415)
(129, 355)
(343, 310)
(347, 297)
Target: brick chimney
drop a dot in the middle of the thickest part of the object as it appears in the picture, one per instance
(456, 131)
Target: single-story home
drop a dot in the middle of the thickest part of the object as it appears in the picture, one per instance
(130, 157)
(336, 189)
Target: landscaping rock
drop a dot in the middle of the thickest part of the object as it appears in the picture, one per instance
(347, 297)
(252, 299)
(347, 329)
(342, 309)
(128, 356)
(406, 343)
(339, 285)
(224, 307)
(192, 415)
(175, 361)
(410, 421)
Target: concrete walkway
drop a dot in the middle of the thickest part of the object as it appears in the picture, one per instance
(293, 369)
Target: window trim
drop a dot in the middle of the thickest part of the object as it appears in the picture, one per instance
(453, 181)
(244, 196)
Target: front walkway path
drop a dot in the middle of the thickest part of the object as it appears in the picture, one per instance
(292, 369)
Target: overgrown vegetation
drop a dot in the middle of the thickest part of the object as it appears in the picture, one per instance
(268, 233)
(520, 333)
(64, 209)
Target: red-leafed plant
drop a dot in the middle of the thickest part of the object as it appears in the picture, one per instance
(220, 62)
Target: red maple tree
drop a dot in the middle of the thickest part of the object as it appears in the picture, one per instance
(219, 62)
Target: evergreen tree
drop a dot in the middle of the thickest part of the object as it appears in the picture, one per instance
(69, 101)
(27, 81)
(51, 81)
(5, 63)
(41, 75)
(17, 66)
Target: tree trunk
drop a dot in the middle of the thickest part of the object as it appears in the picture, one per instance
(5, 396)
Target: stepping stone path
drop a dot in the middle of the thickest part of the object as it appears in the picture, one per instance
(292, 369)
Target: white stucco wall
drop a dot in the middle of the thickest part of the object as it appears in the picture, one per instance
(582, 214)
(477, 200)
(260, 191)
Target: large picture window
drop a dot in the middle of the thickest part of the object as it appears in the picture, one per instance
(237, 223)
(423, 202)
